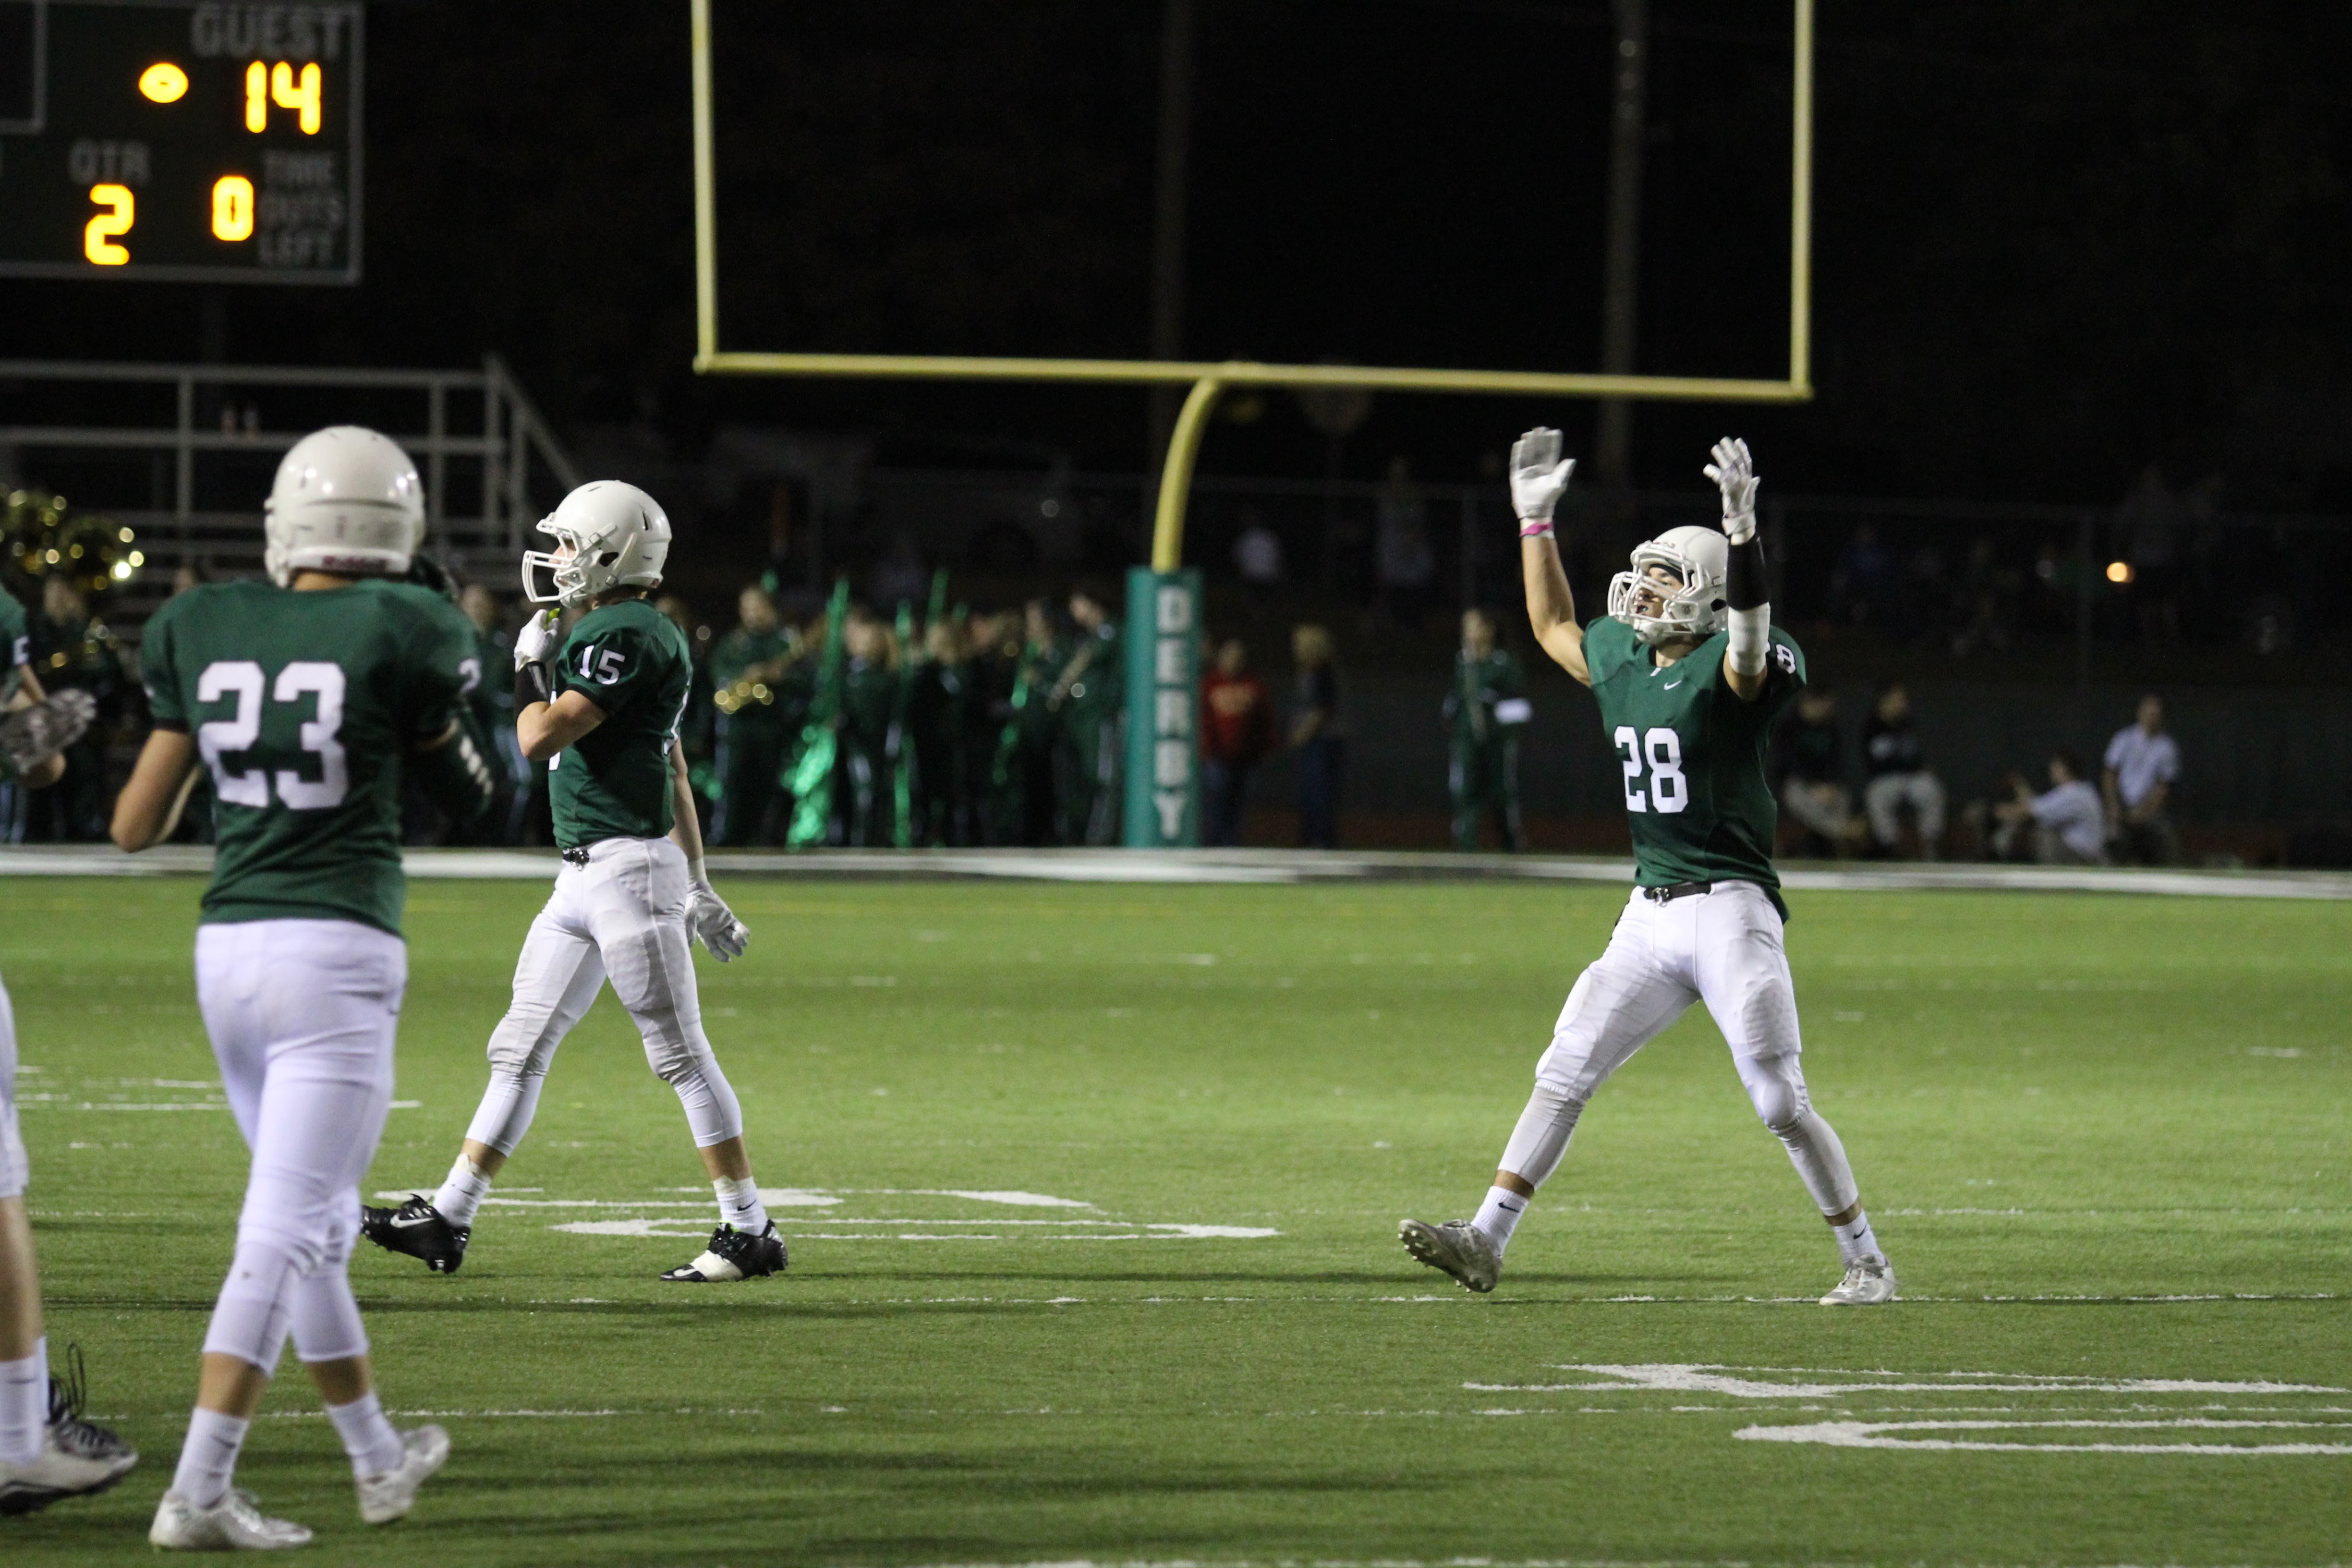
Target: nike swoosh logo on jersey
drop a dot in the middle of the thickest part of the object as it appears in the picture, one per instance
(1672, 684)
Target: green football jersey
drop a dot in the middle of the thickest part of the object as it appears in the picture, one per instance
(304, 708)
(1697, 795)
(1488, 699)
(16, 643)
(633, 663)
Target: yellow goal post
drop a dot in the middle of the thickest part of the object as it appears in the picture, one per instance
(1209, 379)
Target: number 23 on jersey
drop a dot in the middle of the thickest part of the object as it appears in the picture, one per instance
(216, 739)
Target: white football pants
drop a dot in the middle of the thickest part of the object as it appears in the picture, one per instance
(15, 1169)
(1722, 948)
(621, 917)
(301, 1015)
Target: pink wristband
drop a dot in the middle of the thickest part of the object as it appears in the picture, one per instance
(1537, 529)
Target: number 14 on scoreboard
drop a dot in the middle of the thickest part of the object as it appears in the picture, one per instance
(181, 139)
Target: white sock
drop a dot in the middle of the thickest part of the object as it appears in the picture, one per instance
(462, 1192)
(25, 1406)
(1854, 1239)
(208, 1459)
(740, 1205)
(1499, 1215)
(367, 1437)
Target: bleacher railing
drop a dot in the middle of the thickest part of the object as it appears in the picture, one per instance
(211, 435)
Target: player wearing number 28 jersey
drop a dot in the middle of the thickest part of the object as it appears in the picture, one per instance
(1690, 676)
(308, 699)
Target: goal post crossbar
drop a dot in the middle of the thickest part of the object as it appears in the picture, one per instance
(1212, 376)
(1178, 801)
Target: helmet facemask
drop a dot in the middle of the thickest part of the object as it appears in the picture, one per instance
(1689, 605)
(607, 535)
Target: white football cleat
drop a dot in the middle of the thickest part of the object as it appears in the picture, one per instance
(76, 1458)
(1868, 1282)
(391, 1495)
(1458, 1247)
(232, 1524)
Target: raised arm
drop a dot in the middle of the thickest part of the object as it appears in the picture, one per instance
(1745, 591)
(1538, 475)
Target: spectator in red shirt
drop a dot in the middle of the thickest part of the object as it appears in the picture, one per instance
(1237, 729)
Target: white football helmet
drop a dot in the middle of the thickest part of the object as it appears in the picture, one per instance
(607, 535)
(346, 501)
(1698, 558)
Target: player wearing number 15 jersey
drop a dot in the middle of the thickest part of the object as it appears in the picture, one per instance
(1690, 676)
(602, 714)
(308, 699)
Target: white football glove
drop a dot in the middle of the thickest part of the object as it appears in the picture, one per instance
(536, 640)
(1539, 474)
(31, 735)
(1734, 473)
(714, 924)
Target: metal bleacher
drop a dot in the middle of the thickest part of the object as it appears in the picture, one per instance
(183, 454)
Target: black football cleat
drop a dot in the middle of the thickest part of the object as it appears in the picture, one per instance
(733, 1255)
(417, 1228)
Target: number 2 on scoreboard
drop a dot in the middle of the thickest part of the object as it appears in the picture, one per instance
(98, 237)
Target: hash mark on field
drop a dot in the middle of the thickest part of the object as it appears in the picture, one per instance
(1678, 1378)
(1871, 1434)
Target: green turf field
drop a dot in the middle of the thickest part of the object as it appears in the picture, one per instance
(2103, 1138)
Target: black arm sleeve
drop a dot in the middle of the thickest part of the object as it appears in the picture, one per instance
(1745, 585)
(456, 775)
(531, 685)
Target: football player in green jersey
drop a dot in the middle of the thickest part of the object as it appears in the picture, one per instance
(1485, 712)
(46, 1450)
(1690, 674)
(602, 714)
(308, 699)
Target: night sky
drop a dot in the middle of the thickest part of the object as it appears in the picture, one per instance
(2054, 243)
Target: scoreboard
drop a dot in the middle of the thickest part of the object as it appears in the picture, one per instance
(170, 139)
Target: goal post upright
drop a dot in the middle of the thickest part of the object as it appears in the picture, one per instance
(1207, 380)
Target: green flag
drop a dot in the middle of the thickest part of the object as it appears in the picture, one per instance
(902, 767)
(809, 778)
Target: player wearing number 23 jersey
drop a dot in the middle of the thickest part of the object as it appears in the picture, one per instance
(304, 708)
(309, 700)
(1690, 676)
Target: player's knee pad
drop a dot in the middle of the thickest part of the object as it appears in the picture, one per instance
(252, 1315)
(15, 1168)
(1540, 1141)
(712, 1111)
(506, 1110)
(1776, 1087)
(325, 1317)
(525, 1041)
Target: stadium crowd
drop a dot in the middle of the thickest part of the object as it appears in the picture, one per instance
(958, 727)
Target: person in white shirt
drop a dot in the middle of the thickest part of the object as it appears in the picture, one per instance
(2136, 786)
(2068, 825)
